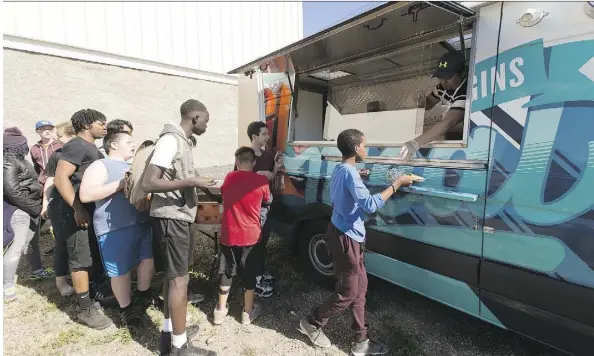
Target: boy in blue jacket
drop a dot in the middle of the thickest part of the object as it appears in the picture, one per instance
(345, 240)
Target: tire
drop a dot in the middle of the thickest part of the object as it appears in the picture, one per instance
(314, 258)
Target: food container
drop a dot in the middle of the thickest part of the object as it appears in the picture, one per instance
(209, 211)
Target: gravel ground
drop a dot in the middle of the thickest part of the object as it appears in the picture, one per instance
(41, 322)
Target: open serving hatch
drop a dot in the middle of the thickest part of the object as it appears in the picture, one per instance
(366, 73)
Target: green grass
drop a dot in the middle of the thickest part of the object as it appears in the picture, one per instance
(249, 351)
(69, 336)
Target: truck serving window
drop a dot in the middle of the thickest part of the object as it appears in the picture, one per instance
(373, 72)
(386, 98)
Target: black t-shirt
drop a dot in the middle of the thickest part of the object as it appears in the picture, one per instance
(52, 163)
(80, 153)
(264, 162)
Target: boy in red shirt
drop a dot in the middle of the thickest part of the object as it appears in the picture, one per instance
(246, 200)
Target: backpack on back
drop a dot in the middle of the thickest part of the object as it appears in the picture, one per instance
(133, 190)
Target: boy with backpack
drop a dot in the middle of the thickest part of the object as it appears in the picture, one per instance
(345, 239)
(246, 198)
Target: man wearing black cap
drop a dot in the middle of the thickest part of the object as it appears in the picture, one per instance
(451, 93)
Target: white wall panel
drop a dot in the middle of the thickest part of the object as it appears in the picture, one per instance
(207, 36)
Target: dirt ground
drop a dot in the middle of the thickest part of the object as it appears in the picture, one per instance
(41, 322)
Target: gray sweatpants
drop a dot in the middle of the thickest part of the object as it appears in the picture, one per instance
(26, 229)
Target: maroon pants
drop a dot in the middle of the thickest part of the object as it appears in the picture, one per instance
(351, 283)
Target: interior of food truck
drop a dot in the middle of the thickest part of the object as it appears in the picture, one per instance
(368, 74)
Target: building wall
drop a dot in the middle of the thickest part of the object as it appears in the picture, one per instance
(38, 86)
(206, 36)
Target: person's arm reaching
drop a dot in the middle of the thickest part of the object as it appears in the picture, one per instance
(153, 182)
(371, 203)
(48, 189)
(93, 186)
(453, 117)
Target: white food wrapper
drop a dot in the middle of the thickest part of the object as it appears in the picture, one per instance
(393, 174)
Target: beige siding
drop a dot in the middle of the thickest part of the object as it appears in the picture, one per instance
(39, 87)
(207, 36)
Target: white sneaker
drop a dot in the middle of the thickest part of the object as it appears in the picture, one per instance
(219, 315)
(263, 289)
(248, 318)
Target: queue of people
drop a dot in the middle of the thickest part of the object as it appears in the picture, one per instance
(100, 236)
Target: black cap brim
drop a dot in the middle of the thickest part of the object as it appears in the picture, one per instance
(443, 74)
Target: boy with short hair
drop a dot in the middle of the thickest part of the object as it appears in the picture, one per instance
(246, 198)
(124, 233)
(42, 150)
(268, 166)
(345, 240)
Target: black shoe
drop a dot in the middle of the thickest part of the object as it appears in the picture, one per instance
(94, 318)
(143, 301)
(132, 318)
(188, 350)
(165, 347)
(165, 343)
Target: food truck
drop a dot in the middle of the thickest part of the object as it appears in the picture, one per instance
(502, 227)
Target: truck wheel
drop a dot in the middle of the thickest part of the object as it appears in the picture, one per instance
(314, 256)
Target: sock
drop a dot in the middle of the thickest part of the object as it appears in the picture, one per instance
(167, 326)
(127, 307)
(144, 295)
(179, 340)
(84, 299)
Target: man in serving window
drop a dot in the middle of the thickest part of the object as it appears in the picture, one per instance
(451, 94)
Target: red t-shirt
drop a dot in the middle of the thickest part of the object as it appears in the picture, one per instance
(244, 196)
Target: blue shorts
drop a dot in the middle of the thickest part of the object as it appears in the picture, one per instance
(123, 249)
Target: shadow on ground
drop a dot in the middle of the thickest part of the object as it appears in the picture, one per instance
(41, 322)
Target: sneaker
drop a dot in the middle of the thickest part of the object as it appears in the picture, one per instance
(188, 350)
(94, 318)
(195, 298)
(316, 335)
(10, 294)
(369, 347)
(143, 302)
(42, 274)
(165, 347)
(267, 277)
(66, 291)
(219, 315)
(165, 343)
(248, 318)
(103, 294)
(131, 318)
(263, 290)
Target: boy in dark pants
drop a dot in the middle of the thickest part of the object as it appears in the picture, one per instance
(268, 166)
(345, 240)
(246, 199)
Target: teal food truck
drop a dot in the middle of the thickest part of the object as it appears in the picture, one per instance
(502, 227)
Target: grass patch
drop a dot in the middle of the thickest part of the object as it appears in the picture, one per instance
(119, 335)
(70, 336)
(401, 343)
(249, 351)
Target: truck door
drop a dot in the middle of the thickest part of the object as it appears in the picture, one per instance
(537, 276)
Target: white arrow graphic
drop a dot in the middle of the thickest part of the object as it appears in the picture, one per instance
(588, 69)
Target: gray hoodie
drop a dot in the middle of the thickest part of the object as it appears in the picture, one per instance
(178, 204)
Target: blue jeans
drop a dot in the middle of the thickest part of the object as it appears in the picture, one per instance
(26, 229)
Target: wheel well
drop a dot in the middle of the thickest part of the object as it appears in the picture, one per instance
(313, 211)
